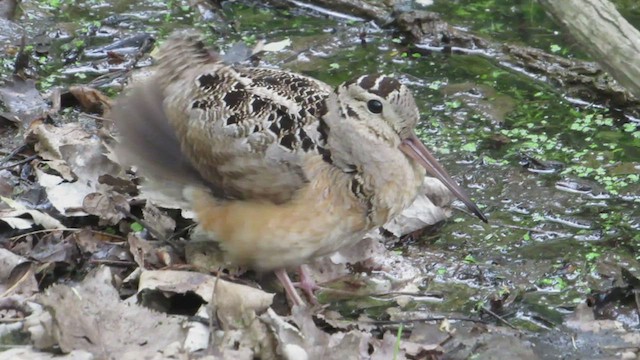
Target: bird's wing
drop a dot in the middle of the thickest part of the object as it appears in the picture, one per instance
(243, 131)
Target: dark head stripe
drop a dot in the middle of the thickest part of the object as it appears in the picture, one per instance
(386, 87)
(380, 85)
(369, 81)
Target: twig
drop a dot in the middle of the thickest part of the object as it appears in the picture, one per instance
(499, 318)
(158, 235)
(13, 153)
(6, 321)
(96, 117)
(529, 229)
(20, 281)
(113, 262)
(182, 231)
(36, 232)
(406, 293)
(426, 319)
(25, 160)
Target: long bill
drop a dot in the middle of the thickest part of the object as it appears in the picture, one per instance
(413, 147)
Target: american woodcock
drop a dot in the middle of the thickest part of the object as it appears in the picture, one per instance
(279, 167)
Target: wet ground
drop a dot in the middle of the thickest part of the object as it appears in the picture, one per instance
(559, 181)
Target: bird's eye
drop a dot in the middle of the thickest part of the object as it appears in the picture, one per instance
(374, 106)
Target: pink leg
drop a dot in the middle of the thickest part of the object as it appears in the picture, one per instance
(307, 284)
(289, 289)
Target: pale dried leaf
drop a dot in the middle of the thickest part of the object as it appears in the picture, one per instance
(290, 339)
(143, 251)
(16, 222)
(277, 45)
(81, 158)
(54, 248)
(49, 180)
(24, 353)
(108, 207)
(16, 275)
(12, 217)
(59, 166)
(429, 208)
(321, 345)
(48, 138)
(166, 195)
(22, 99)
(198, 335)
(39, 325)
(254, 341)
(67, 197)
(236, 298)
(91, 317)
(413, 349)
(21, 281)
(158, 220)
(385, 349)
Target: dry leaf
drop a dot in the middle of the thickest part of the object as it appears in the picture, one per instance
(81, 158)
(23, 353)
(277, 45)
(16, 275)
(91, 317)
(22, 99)
(385, 349)
(13, 217)
(229, 295)
(108, 207)
(427, 209)
(143, 251)
(54, 248)
(158, 220)
(90, 99)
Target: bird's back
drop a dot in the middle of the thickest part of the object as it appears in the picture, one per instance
(246, 130)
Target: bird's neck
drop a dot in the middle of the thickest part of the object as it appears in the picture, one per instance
(380, 176)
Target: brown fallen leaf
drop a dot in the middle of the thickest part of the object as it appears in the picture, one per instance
(95, 243)
(91, 317)
(318, 344)
(81, 158)
(90, 99)
(54, 247)
(230, 297)
(158, 220)
(108, 207)
(385, 348)
(22, 99)
(17, 275)
(144, 252)
(14, 217)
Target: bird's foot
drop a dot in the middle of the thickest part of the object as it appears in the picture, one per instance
(307, 284)
(289, 288)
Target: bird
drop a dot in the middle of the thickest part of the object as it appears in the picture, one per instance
(278, 167)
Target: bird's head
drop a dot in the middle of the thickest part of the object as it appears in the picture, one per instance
(385, 111)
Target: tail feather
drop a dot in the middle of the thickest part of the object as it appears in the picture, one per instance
(147, 139)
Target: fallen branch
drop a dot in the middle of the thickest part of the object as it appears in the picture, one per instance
(604, 34)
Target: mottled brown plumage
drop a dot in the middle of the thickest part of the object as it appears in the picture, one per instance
(279, 167)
